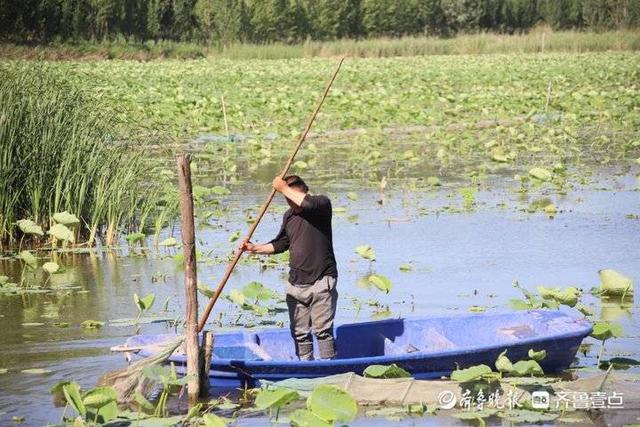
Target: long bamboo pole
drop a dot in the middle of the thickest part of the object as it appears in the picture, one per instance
(265, 206)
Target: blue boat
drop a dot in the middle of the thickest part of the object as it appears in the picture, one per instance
(427, 347)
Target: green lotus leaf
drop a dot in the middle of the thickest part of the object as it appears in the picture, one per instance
(65, 218)
(50, 267)
(332, 403)
(614, 283)
(277, 398)
(386, 371)
(366, 252)
(29, 227)
(61, 232)
(470, 374)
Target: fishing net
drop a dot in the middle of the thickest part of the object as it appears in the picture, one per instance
(407, 391)
(128, 381)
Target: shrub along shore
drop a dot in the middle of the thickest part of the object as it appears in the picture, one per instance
(540, 40)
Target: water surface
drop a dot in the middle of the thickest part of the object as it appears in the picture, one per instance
(460, 257)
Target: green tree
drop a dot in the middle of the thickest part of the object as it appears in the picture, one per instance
(135, 18)
(462, 15)
(517, 15)
(354, 19)
(596, 14)
(183, 20)
(223, 21)
(159, 19)
(274, 20)
(375, 17)
(561, 14)
(298, 24)
(327, 19)
(430, 18)
(205, 18)
(624, 13)
(409, 17)
(108, 16)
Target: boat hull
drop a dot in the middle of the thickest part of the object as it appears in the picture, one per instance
(425, 347)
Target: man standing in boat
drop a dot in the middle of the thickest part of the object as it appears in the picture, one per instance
(311, 290)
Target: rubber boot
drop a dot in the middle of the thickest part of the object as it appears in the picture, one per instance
(304, 350)
(327, 348)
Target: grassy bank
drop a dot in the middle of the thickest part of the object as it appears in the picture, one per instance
(541, 40)
(59, 153)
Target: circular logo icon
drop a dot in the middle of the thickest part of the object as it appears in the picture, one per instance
(446, 399)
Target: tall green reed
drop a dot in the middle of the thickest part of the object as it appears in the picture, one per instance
(60, 151)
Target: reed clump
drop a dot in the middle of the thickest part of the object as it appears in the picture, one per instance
(60, 151)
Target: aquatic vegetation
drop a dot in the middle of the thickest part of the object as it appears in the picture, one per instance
(540, 174)
(169, 242)
(101, 404)
(567, 296)
(92, 324)
(547, 298)
(366, 252)
(29, 259)
(66, 218)
(143, 304)
(405, 267)
(332, 404)
(274, 400)
(212, 420)
(50, 267)
(468, 197)
(97, 405)
(133, 238)
(61, 153)
(613, 283)
(606, 330)
(385, 371)
(169, 380)
(503, 364)
(451, 148)
(29, 227)
(472, 373)
(61, 232)
(381, 282)
(251, 299)
(526, 368)
(465, 114)
(619, 363)
(537, 355)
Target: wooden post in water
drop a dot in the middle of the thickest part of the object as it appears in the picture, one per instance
(190, 277)
(205, 362)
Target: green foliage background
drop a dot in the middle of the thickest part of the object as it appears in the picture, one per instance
(262, 21)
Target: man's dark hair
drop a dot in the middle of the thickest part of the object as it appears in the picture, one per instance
(297, 182)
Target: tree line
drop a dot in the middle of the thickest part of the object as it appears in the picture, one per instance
(290, 21)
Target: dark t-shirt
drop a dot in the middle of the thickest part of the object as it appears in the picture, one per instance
(307, 235)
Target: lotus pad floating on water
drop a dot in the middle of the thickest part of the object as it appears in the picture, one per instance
(614, 283)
